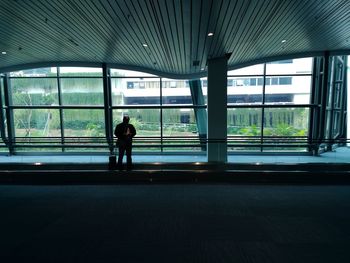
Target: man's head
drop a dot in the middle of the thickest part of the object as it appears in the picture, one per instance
(126, 119)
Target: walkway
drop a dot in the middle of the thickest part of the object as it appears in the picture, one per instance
(340, 155)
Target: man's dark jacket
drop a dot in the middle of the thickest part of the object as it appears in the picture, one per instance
(120, 131)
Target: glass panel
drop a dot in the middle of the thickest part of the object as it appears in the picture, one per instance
(244, 129)
(338, 95)
(135, 91)
(2, 91)
(176, 92)
(147, 125)
(336, 123)
(37, 72)
(84, 123)
(37, 91)
(286, 129)
(180, 130)
(80, 71)
(3, 147)
(205, 89)
(297, 92)
(129, 73)
(82, 91)
(244, 122)
(244, 90)
(292, 66)
(251, 70)
(286, 122)
(37, 123)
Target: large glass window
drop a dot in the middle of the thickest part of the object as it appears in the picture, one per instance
(33, 96)
(297, 91)
(82, 91)
(266, 126)
(37, 122)
(244, 129)
(248, 71)
(288, 67)
(176, 92)
(286, 122)
(135, 91)
(286, 129)
(180, 131)
(37, 129)
(81, 86)
(84, 122)
(245, 85)
(147, 125)
(28, 91)
(268, 106)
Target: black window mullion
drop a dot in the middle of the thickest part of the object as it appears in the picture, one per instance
(9, 113)
(263, 111)
(2, 117)
(60, 109)
(107, 106)
(161, 113)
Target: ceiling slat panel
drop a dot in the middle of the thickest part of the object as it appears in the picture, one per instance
(148, 26)
(62, 25)
(177, 11)
(162, 35)
(226, 26)
(263, 14)
(114, 31)
(187, 29)
(21, 35)
(123, 50)
(124, 23)
(202, 40)
(210, 19)
(169, 33)
(235, 28)
(218, 26)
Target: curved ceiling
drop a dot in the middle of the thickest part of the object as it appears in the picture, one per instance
(116, 32)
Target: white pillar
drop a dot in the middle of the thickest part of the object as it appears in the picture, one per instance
(217, 110)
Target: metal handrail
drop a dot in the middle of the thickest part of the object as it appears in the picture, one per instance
(172, 141)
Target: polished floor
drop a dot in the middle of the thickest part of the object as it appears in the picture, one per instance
(175, 223)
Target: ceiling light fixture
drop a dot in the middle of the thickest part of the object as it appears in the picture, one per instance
(3, 52)
(145, 45)
(284, 41)
(210, 34)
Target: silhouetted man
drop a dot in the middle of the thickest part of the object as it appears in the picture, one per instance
(124, 132)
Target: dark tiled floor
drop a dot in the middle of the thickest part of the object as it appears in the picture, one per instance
(175, 223)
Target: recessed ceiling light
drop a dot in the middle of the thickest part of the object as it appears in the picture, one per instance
(284, 41)
(145, 45)
(202, 69)
(3, 52)
(210, 34)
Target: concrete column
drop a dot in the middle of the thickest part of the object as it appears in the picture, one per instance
(217, 110)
